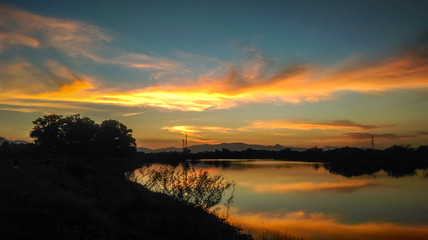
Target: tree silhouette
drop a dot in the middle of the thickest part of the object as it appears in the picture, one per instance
(115, 138)
(74, 135)
(79, 134)
(48, 133)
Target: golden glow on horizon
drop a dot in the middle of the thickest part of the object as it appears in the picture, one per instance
(209, 94)
(338, 125)
(196, 129)
(201, 99)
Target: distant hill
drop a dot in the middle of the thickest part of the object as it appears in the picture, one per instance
(3, 140)
(327, 148)
(148, 150)
(210, 147)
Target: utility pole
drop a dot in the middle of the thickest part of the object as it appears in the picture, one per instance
(372, 142)
(185, 143)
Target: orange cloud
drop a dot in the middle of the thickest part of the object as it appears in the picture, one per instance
(26, 86)
(210, 94)
(339, 124)
(207, 141)
(131, 114)
(294, 84)
(196, 129)
(322, 226)
(18, 109)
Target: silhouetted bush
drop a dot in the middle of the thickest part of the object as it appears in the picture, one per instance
(192, 186)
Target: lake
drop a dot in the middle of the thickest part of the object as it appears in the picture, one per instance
(305, 200)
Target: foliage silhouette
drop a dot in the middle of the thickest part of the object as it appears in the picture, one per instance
(114, 138)
(192, 186)
(48, 133)
(74, 135)
(79, 135)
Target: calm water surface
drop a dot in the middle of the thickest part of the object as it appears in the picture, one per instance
(307, 201)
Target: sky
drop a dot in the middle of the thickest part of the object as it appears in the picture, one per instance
(295, 73)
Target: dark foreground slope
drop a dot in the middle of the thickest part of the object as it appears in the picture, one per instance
(69, 201)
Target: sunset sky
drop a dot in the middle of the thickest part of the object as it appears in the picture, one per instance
(295, 73)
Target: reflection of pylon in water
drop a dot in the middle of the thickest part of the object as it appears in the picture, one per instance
(185, 143)
(372, 142)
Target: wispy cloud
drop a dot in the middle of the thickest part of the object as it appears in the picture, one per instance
(255, 81)
(307, 125)
(56, 86)
(18, 109)
(24, 79)
(225, 86)
(423, 133)
(298, 83)
(11, 39)
(202, 140)
(73, 38)
(131, 114)
(196, 129)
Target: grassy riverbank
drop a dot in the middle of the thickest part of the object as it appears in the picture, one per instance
(77, 201)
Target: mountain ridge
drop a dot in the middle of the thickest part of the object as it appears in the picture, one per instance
(3, 140)
(236, 146)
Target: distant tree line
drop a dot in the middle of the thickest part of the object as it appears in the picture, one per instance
(393, 153)
(348, 161)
